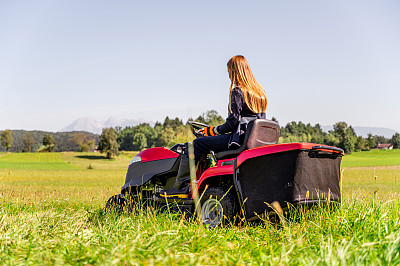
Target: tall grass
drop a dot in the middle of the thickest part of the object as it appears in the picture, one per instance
(34, 161)
(359, 232)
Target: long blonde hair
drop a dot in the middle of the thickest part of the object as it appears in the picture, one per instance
(241, 75)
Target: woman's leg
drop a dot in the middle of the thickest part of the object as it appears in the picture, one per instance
(201, 146)
(206, 144)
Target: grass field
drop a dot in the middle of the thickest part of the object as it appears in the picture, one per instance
(372, 158)
(52, 212)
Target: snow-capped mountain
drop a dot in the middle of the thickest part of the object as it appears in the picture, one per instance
(91, 125)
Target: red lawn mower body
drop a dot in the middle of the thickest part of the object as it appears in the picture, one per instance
(256, 175)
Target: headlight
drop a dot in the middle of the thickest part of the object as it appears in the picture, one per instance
(135, 159)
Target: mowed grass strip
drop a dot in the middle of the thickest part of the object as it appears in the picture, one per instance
(372, 158)
(98, 161)
(35, 161)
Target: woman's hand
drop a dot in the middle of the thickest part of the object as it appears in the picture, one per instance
(208, 131)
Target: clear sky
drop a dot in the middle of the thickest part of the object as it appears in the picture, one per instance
(319, 61)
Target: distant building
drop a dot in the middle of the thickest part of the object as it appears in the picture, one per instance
(386, 146)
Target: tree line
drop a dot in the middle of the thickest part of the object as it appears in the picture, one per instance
(172, 131)
(143, 136)
(342, 135)
(41, 141)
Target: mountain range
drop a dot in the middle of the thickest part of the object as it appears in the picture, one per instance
(93, 126)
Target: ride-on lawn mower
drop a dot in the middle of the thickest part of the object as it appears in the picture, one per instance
(249, 179)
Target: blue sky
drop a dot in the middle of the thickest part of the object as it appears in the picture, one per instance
(319, 61)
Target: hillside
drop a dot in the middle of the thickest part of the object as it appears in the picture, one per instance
(65, 140)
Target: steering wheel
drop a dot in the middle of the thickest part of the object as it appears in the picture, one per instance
(196, 126)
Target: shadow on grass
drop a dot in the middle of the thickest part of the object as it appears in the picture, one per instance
(91, 157)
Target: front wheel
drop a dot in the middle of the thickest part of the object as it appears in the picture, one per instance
(217, 205)
(116, 203)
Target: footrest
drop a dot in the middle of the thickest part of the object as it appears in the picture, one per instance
(173, 199)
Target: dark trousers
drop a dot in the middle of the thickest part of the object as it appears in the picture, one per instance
(202, 146)
(206, 144)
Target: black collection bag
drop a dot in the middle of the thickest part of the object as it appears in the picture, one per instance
(289, 177)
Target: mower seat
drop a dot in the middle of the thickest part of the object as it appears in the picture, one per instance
(259, 132)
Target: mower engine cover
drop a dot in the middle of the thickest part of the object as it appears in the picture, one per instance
(293, 173)
(149, 163)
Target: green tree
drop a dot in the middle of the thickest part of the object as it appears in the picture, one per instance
(346, 135)
(126, 136)
(300, 132)
(108, 142)
(348, 143)
(84, 141)
(360, 144)
(6, 139)
(182, 135)
(331, 140)
(49, 142)
(211, 118)
(149, 132)
(339, 130)
(166, 137)
(139, 141)
(371, 141)
(28, 141)
(173, 123)
(395, 141)
(381, 139)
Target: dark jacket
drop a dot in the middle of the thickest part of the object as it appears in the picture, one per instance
(237, 121)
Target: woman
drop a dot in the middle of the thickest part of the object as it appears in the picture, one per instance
(248, 101)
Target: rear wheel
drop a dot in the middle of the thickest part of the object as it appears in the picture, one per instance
(217, 205)
(116, 203)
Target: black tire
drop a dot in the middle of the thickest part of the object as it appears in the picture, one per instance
(116, 204)
(217, 206)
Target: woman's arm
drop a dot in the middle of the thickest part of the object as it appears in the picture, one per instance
(232, 120)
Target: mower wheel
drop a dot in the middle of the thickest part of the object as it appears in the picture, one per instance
(217, 205)
(116, 204)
